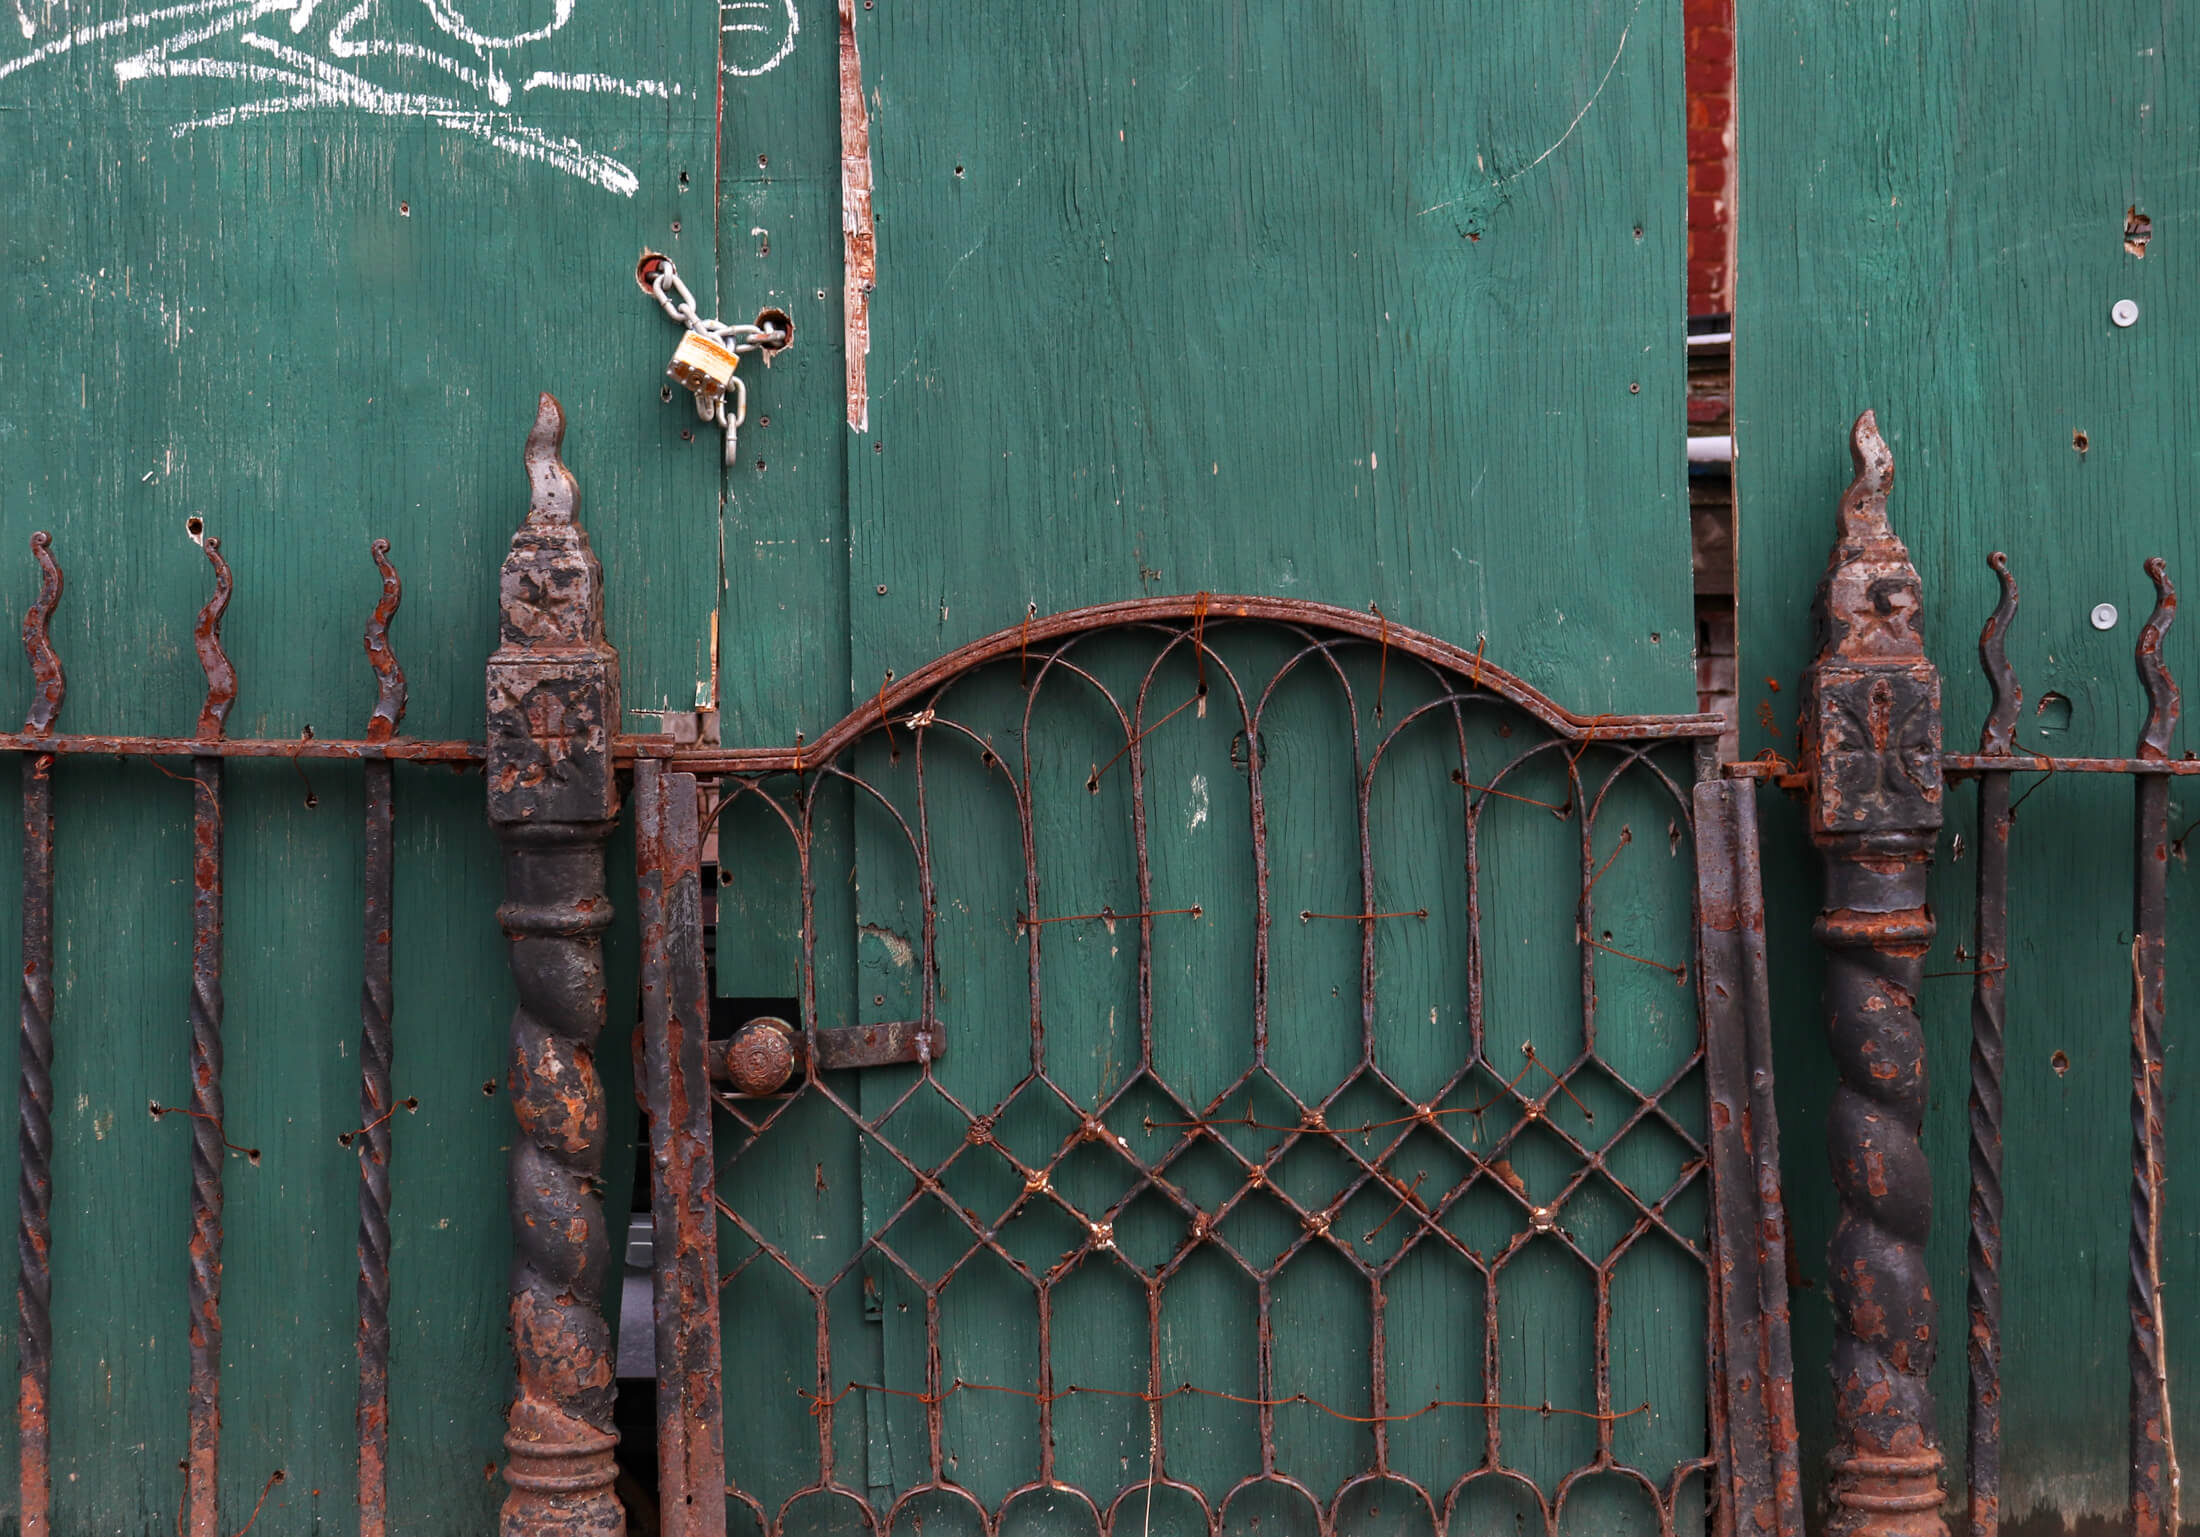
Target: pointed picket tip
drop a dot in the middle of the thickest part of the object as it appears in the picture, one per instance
(556, 495)
(1864, 504)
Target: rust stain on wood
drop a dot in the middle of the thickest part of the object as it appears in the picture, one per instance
(859, 243)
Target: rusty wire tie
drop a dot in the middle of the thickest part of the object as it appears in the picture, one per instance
(251, 1154)
(1459, 778)
(1589, 738)
(408, 1104)
(274, 1478)
(313, 801)
(2045, 775)
(1092, 780)
(1408, 1195)
(820, 1403)
(1382, 668)
(1023, 648)
(1679, 974)
(1109, 915)
(1626, 836)
(1199, 641)
(1309, 915)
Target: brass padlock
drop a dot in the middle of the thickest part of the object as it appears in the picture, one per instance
(705, 367)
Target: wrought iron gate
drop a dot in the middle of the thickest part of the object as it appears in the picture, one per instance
(1621, 1160)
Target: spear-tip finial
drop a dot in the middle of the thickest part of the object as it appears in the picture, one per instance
(46, 679)
(221, 677)
(2163, 701)
(389, 704)
(556, 495)
(1999, 735)
(1864, 504)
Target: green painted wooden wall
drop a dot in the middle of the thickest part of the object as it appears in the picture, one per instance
(322, 322)
(1362, 306)
(1932, 224)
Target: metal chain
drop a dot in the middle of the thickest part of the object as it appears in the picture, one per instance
(678, 302)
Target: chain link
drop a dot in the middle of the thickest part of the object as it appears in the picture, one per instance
(678, 302)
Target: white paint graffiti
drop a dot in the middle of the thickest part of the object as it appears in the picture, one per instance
(756, 35)
(371, 56)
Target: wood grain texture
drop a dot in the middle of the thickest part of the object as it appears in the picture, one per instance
(1933, 207)
(1338, 304)
(311, 328)
(1366, 309)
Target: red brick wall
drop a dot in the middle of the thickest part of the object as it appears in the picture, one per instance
(1710, 80)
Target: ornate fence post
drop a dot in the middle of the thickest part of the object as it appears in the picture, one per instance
(1871, 749)
(553, 711)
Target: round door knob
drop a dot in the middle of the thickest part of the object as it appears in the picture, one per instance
(760, 1057)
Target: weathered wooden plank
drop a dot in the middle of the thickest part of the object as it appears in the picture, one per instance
(1370, 307)
(1175, 299)
(253, 290)
(1935, 207)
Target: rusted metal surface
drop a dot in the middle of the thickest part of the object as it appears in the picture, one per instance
(902, 696)
(1763, 1488)
(691, 1462)
(2154, 1474)
(2153, 1506)
(918, 713)
(376, 1048)
(759, 1058)
(34, 1095)
(859, 241)
(764, 1054)
(389, 703)
(1871, 749)
(202, 1483)
(1988, 1004)
(397, 750)
(553, 704)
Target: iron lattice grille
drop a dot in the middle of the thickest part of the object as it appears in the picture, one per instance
(1304, 1146)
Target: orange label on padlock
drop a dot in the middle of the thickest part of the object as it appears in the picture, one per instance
(702, 365)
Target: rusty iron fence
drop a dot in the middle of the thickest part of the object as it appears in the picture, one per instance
(554, 761)
(1873, 773)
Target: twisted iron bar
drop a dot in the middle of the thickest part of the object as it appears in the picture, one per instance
(2154, 1479)
(553, 706)
(34, 1099)
(202, 1487)
(1988, 1006)
(1871, 746)
(376, 1052)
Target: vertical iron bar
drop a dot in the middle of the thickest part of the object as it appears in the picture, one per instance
(1871, 751)
(1777, 1363)
(34, 1098)
(376, 1052)
(1763, 1493)
(1988, 1003)
(553, 707)
(202, 1483)
(2153, 1446)
(691, 1461)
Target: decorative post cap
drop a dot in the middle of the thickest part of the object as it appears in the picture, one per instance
(554, 679)
(1871, 699)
